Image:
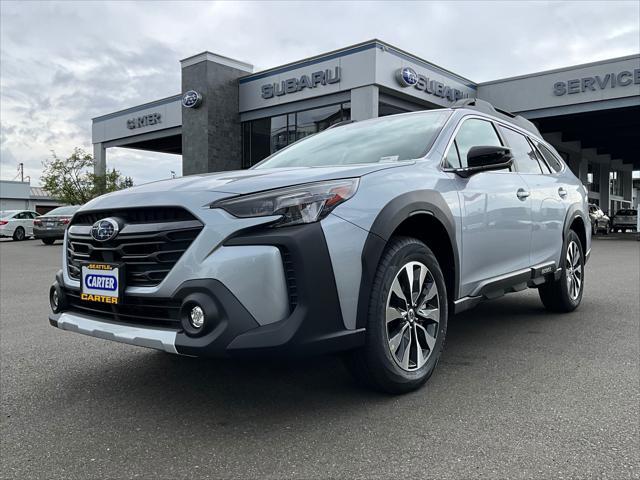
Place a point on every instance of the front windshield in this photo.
(388, 139)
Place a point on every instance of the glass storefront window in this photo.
(313, 121)
(262, 137)
(279, 133)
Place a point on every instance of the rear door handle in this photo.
(562, 192)
(523, 194)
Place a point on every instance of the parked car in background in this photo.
(599, 221)
(17, 224)
(625, 219)
(50, 226)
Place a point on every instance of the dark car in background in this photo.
(599, 221)
(625, 219)
(50, 226)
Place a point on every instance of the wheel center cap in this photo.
(411, 315)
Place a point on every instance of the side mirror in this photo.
(486, 158)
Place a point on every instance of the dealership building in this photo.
(229, 117)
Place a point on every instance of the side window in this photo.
(522, 151)
(19, 216)
(473, 133)
(551, 159)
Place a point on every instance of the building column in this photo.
(100, 165)
(364, 103)
(605, 168)
(211, 134)
(583, 172)
(627, 182)
(100, 159)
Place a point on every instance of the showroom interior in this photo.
(229, 117)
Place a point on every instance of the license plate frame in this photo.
(102, 282)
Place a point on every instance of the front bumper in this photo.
(158, 338)
(312, 324)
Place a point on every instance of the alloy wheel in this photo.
(574, 270)
(412, 316)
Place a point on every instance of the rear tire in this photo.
(18, 234)
(407, 320)
(564, 295)
(48, 241)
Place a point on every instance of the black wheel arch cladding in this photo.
(386, 223)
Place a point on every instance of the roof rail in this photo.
(485, 107)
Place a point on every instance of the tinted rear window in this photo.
(627, 212)
(550, 158)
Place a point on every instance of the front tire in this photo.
(18, 234)
(407, 320)
(48, 241)
(564, 295)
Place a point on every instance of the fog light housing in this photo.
(196, 317)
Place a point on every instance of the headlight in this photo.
(300, 204)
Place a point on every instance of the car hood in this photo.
(231, 183)
(248, 181)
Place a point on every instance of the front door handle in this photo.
(523, 194)
(562, 192)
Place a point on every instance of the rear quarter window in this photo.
(554, 162)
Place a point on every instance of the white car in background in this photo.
(17, 224)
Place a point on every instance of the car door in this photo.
(547, 193)
(496, 217)
(19, 220)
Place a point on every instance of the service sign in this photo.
(101, 282)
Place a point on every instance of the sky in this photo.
(63, 63)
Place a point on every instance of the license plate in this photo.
(102, 282)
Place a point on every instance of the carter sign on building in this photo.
(144, 121)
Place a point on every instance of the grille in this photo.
(150, 242)
(290, 276)
(136, 310)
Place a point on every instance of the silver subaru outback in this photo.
(362, 239)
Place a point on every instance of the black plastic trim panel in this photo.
(389, 218)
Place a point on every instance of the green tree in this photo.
(71, 180)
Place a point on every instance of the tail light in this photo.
(3, 222)
(37, 222)
(65, 220)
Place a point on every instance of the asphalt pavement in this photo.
(519, 393)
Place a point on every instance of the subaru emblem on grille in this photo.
(105, 229)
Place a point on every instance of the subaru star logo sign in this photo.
(104, 229)
(191, 99)
(407, 77)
